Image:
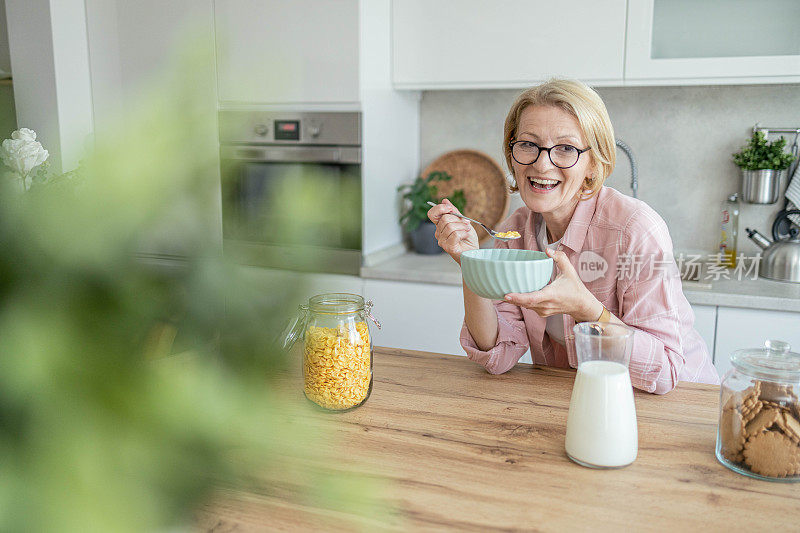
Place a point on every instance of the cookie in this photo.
(732, 435)
(744, 398)
(790, 426)
(750, 410)
(764, 420)
(775, 392)
(772, 454)
(774, 405)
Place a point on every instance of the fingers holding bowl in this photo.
(539, 301)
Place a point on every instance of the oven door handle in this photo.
(292, 154)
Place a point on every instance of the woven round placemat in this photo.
(481, 179)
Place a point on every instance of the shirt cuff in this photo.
(512, 343)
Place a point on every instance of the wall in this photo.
(682, 137)
(391, 130)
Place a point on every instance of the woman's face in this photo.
(544, 187)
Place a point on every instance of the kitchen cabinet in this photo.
(135, 44)
(417, 316)
(134, 49)
(707, 41)
(748, 328)
(278, 52)
(424, 316)
(705, 322)
(514, 43)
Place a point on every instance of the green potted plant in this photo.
(414, 217)
(763, 165)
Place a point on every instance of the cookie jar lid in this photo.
(774, 362)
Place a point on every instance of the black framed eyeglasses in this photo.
(561, 155)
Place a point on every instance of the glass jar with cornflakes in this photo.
(337, 350)
(759, 419)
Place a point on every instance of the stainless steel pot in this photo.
(781, 259)
(761, 186)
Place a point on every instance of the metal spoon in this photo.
(491, 232)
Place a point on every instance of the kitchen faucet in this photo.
(634, 169)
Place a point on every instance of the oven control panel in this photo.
(340, 128)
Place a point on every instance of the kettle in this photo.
(781, 259)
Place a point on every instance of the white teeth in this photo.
(542, 181)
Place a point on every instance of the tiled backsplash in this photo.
(682, 138)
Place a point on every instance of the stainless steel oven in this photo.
(270, 159)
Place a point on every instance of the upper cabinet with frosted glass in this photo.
(682, 42)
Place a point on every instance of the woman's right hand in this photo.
(454, 235)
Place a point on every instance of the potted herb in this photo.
(415, 213)
(763, 165)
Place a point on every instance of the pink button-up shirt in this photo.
(641, 286)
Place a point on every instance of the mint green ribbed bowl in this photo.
(494, 272)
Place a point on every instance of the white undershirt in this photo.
(555, 323)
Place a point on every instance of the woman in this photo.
(613, 253)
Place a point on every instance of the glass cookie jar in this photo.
(759, 419)
(337, 349)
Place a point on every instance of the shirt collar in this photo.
(579, 224)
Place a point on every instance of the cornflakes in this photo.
(337, 365)
(508, 234)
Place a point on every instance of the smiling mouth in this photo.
(543, 184)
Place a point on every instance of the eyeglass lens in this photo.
(561, 155)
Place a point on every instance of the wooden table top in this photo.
(451, 446)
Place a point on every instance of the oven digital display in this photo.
(287, 130)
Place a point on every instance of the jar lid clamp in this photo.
(294, 328)
(368, 309)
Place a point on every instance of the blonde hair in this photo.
(583, 103)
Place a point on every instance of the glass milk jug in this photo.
(601, 425)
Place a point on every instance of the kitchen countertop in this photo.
(748, 293)
(447, 446)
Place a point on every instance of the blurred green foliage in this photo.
(102, 426)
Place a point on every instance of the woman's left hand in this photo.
(566, 294)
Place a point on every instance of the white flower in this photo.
(24, 134)
(22, 152)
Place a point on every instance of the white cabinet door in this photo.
(510, 43)
(705, 322)
(278, 52)
(707, 41)
(749, 328)
(417, 316)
